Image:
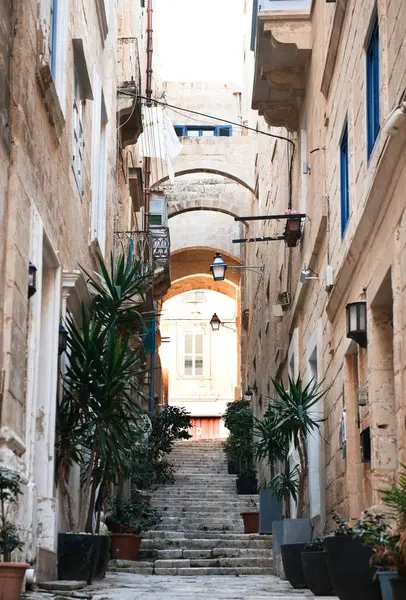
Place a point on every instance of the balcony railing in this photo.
(161, 244)
(274, 5)
(152, 248)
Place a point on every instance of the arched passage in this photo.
(208, 171)
(202, 282)
(197, 260)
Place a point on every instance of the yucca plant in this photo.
(100, 403)
(285, 485)
(271, 442)
(295, 416)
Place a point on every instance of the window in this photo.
(99, 164)
(345, 190)
(193, 297)
(193, 355)
(78, 141)
(373, 87)
(54, 22)
(53, 45)
(203, 131)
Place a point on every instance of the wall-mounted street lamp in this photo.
(218, 268)
(305, 274)
(357, 322)
(248, 394)
(215, 323)
(32, 279)
(62, 340)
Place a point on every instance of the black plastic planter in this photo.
(316, 573)
(246, 485)
(398, 588)
(78, 554)
(351, 575)
(292, 564)
(104, 557)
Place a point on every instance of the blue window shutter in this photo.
(180, 130)
(344, 180)
(150, 336)
(223, 130)
(373, 87)
(53, 36)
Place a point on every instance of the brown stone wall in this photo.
(368, 261)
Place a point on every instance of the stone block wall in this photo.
(367, 261)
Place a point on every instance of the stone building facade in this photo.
(326, 76)
(63, 193)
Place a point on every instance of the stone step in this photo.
(203, 544)
(212, 562)
(210, 553)
(197, 534)
(205, 506)
(193, 571)
(189, 511)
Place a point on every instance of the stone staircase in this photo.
(201, 532)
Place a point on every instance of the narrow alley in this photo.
(202, 299)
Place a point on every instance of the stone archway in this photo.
(196, 261)
(210, 171)
(202, 282)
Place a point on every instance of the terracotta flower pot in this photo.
(11, 580)
(125, 546)
(251, 522)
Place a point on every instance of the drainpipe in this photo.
(148, 93)
(148, 169)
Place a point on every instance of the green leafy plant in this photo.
(395, 498)
(10, 490)
(285, 485)
(271, 441)
(98, 413)
(133, 514)
(239, 444)
(316, 545)
(149, 464)
(296, 417)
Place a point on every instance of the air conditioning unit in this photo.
(283, 298)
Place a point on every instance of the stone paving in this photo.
(122, 586)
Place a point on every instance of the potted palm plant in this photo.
(11, 573)
(296, 416)
(271, 445)
(99, 408)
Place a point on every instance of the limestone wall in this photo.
(367, 261)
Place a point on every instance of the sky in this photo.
(199, 40)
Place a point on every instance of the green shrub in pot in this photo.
(11, 573)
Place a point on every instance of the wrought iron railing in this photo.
(152, 248)
(161, 245)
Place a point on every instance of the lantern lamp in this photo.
(218, 267)
(215, 323)
(357, 322)
(32, 279)
(62, 340)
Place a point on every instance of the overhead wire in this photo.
(227, 121)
